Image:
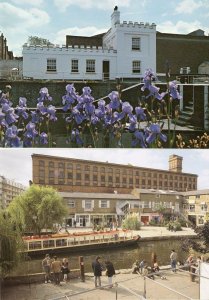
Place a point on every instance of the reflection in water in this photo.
(122, 258)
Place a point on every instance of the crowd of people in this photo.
(57, 270)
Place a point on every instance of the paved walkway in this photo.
(129, 285)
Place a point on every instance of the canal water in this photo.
(122, 258)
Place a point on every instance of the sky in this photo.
(54, 19)
(16, 164)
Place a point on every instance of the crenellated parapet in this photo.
(137, 25)
(69, 49)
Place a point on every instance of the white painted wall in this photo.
(120, 54)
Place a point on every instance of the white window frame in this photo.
(74, 66)
(51, 65)
(136, 44)
(104, 203)
(71, 203)
(136, 67)
(88, 205)
(90, 66)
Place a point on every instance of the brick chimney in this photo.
(175, 163)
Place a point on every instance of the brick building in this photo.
(5, 54)
(182, 50)
(77, 175)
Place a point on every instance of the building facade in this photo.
(76, 175)
(5, 54)
(196, 206)
(9, 189)
(90, 209)
(125, 51)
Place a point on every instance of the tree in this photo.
(10, 245)
(35, 40)
(131, 222)
(38, 208)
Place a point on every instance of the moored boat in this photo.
(59, 243)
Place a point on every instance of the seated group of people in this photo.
(143, 269)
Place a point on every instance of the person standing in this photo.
(173, 258)
(65, 269)
(46, 262)
(56, 269)
(97, 269)
(110, 271)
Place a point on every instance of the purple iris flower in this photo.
(10, 116)
(35, 118)
(75, 137)
(173, 90)
(43, 138)
(99, 112)
(22, 102)
(114, 100)
(139, 139)
(51, 113)
(42, 108)
(127, 108)
(70, 97)
(154, 91)
(31, 132)
(21, 109)
(133, 122)
(4, 99)
(2, 120)
(140, 113)
(86, 91)
(94, 119)
(77, 116)
(89, 108)
(154, 133)
(44, 95)
(12, 140)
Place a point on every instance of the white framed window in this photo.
(104, 203)
(74, 65)
(71, 203)
(51, 65)
(136, 43)
(88, 205)
(90, 66)
(136, 67)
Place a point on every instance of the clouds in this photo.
(188, 6)
(28, 2)
(13, 17)
(87, 4)
(180, 27)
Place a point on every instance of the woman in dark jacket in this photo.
(97, 269)
(110, 271)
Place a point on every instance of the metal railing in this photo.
(142, 294)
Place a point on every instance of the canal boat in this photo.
(85, 241)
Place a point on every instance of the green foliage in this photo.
(35, 40)
(131, 222)
(174, 226)
(10, 245)
(204, 234)
(38, 208)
